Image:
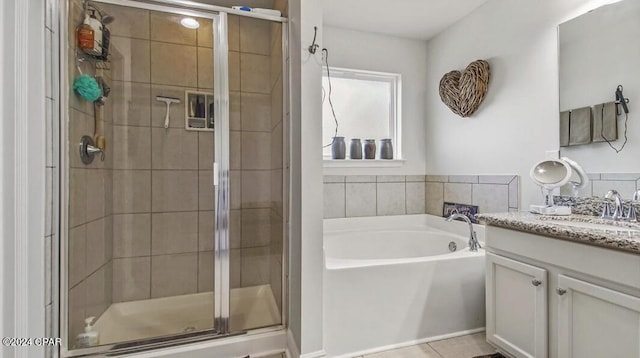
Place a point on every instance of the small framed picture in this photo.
(469, 211)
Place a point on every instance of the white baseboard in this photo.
(317, 354)
(409, 343)
(294, 352)
(292, 348)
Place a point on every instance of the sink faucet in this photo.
(632, 215)
(618, 211)
(474, 245)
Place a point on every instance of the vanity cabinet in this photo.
(594, 321)
(555, 298)
(516, 296)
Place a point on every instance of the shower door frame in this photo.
(220, 185)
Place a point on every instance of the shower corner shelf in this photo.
(99, 64)
(198, 111)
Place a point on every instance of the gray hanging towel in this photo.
(580, 126)
(564, 128)
(605, 121)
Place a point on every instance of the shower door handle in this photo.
(215, 174)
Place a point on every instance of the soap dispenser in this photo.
(90, 337)
(86, 35)
(96, 26)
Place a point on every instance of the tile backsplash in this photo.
(590, 199)
(600, 183)
(371, 195)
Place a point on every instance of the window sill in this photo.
(362, 163)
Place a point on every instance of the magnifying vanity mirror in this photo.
(550, 174)
(598, 52)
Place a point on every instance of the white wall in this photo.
(22, 172)
(595, 57)
(5, 257)
(518, 120)
(295, 202)
(305, 314)
(368, 51)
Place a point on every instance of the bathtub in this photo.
(392, 281)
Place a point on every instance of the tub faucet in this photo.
(474, 245)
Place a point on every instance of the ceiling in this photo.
(416, 19)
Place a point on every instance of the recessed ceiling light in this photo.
(190, 23)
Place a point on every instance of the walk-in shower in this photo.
(173, 215)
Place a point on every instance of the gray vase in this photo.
(369, 149)
(338, 148)
(386, 149)
(355, 150)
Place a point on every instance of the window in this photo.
(366, 106)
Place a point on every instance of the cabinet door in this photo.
(516, 307)
(594, 321)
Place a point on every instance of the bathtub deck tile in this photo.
(360, 199)
(334, 200)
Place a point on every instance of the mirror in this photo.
(551, 174)
(598, 51)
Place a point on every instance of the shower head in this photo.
(107, 19)
(104, 17)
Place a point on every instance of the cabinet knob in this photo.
(561, 291)
(536, 282)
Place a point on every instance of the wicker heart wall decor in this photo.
(464, 91)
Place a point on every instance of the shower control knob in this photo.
(561, 291)
(536, 283)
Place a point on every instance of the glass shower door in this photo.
(140, 216)
(255, 168)
(174, 225)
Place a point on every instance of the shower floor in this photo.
(251, 307)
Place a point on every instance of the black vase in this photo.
(369, 149)
(338, 148)
(386, 149)
(355, 151)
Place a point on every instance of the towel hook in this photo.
(314, 46)
(621, 100)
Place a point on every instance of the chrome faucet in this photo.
(474, 245)
(618, 210)
(632, 215)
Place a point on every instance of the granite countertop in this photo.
(616, 236)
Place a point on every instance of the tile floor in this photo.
(459, 347)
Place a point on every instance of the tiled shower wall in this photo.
(90, 202)
(277, 161)
(163, 194)
(256, 154)
(162, 180)
(141, 222)
(356, 195)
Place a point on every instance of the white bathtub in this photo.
(392, 281)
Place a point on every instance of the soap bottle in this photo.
(90, 337)
(96, 26)
(85, 35)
